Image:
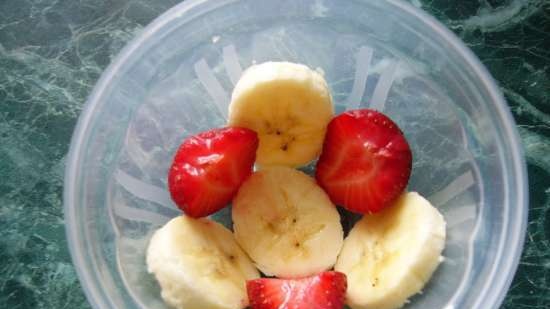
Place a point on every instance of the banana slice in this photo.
(199, 265)
(389, 256)
(288, 105)
(286, 223)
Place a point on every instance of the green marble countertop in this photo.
(53, 51)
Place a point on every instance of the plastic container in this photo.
(176, 77)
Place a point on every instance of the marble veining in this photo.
(53, 51)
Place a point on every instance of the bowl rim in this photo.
(492, 297)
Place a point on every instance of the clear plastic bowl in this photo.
(176, 77)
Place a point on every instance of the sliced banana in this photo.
(389, 256)
(199, 265)
(286, 223)
(288, 105)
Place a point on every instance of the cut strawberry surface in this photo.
(366, 161)
(209, 167)
(326, 290)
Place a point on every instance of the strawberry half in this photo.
(209, 168)
(326, 290)
(366, 161)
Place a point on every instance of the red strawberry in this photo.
(326, 290)
(366, 161)
(209, 168)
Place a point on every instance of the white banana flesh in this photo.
(286, 223)
(390, 256)
(199, 265)
(288, 105)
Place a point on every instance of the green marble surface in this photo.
(53, 51)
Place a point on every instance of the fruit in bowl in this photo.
(173, 81)
(286, 223)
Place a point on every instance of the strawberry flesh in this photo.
(209, 167)
(366, 161)
(326, 290)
